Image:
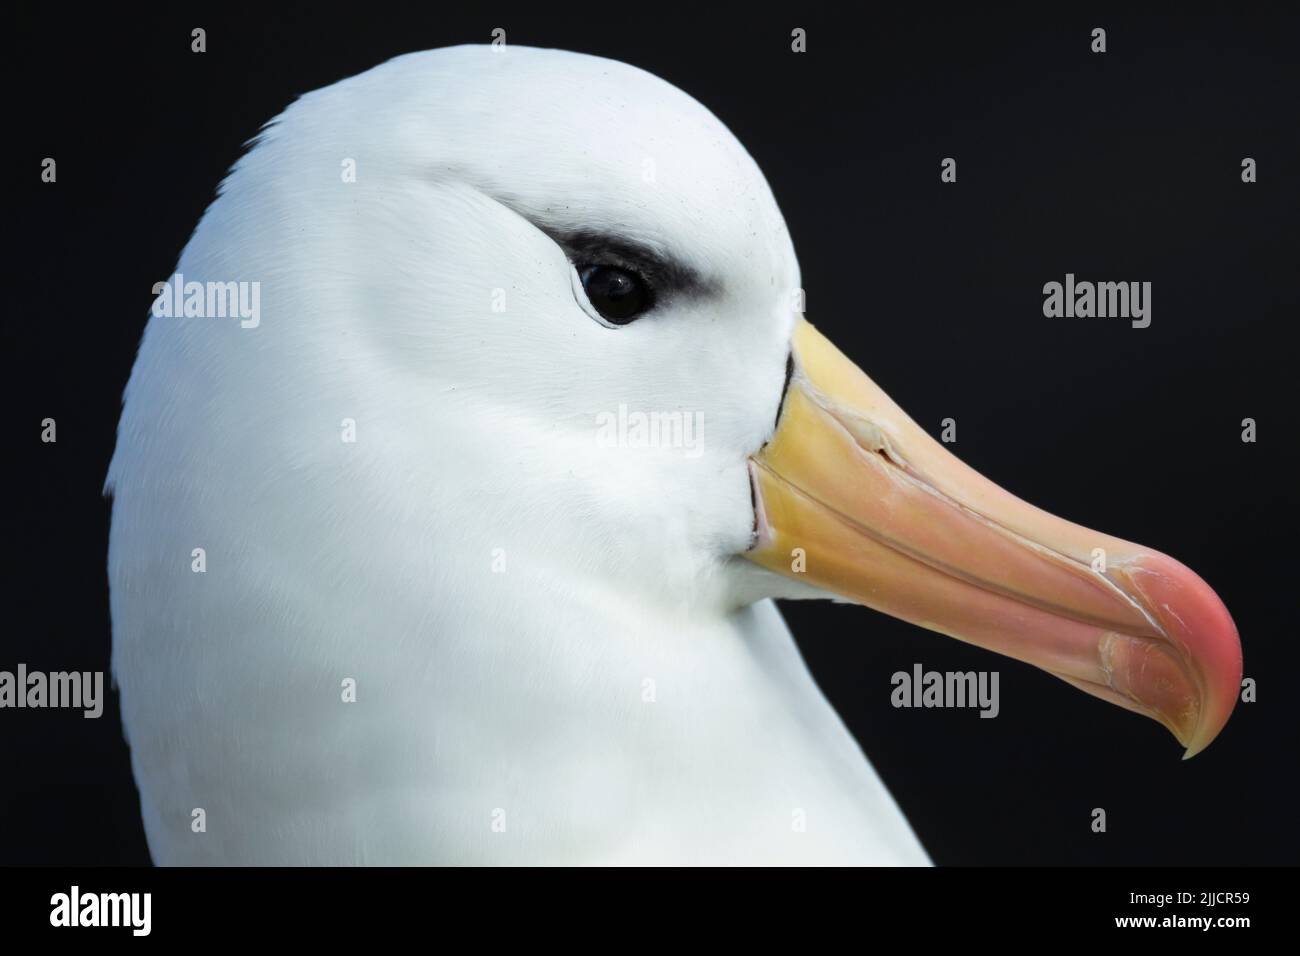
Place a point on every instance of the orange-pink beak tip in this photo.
(1199, 626)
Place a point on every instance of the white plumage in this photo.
(559, 656)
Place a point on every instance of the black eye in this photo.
(619, 295)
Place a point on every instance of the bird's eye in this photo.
(619, 295)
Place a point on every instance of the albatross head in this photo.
(531, 334)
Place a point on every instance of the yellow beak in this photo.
(854, 497)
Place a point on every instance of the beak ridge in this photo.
(888, 517)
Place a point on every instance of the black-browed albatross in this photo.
(380, 592)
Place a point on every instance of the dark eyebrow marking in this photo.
(665, 275)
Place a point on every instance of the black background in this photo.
(1121, 166)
